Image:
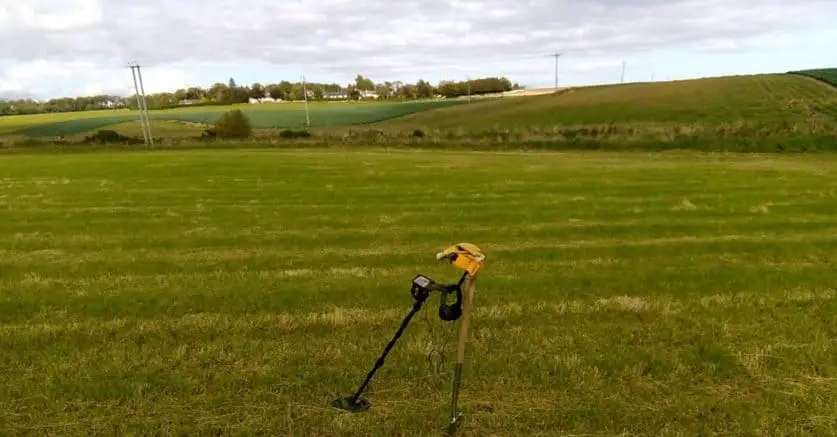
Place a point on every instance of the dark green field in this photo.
(239, 292)
(827, 75)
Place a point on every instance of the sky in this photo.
(56, 48)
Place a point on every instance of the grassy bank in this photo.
(739, 137)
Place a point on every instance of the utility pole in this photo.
(623, 72)
(305, 98)
(556, 56)
(146, 130)
(145, 107)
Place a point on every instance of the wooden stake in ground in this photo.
(468, 297)
(469, 258)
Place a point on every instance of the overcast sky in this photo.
(52, 48)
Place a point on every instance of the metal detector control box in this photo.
(423, 282)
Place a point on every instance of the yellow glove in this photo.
(466, 256)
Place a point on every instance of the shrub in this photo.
(290, 133)
(208, 134)
(233, 124)
(107, 136)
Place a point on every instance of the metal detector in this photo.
(467, 257)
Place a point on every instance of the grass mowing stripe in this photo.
(54, 248)
(362, 251)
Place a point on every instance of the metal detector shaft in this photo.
(380, 362)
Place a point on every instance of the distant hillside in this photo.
(771, 99)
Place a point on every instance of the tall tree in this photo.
(257, 91)
(424, 90)
(275, 92)
(364, 83)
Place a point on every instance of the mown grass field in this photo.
(262, 116)
(239, 292)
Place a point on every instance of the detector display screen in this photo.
(422, 281)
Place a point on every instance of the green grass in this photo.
(159, 128)
(322, 114)
(827, 75)
(13, 124)
(766, 99)
(263, 116)
(239, 292)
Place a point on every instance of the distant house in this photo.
(368, 95)
(336, 95)
(344, 94)
(266, 99)
(189, 102)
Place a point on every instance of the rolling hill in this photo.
(764, 99)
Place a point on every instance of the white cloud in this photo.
(52, 15)
(377, 37)
(38, 78)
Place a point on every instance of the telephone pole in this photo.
(305, 97)
(623, 72)
(556, 56)
(139, 88)
(145, 106)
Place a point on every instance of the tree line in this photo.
(229, 93)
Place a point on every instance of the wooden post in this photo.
(468, 296)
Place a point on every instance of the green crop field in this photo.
(770, 99)
(263, 116)
(239, 292)
(827, 75)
